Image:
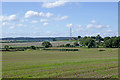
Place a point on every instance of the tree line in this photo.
(97, 41)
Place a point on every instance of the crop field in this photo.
(55, 43)
(85, 63)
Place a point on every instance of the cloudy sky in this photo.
(40, 19)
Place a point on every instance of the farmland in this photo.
(85, 63)
(55, 43)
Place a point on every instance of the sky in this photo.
(54, 19)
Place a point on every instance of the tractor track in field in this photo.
(81, 73)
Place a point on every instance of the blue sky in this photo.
(39, 19)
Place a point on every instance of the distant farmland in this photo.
(55, 43)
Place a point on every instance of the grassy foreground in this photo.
(85, 63)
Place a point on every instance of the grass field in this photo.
(85, 63)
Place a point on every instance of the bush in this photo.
(46, 44)
(67, 45)
(33, 47)
(6, 47)
(61, 49)
(62, 46)
(76, 44)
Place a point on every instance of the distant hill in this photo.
(36, 39)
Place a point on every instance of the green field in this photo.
(85, 63)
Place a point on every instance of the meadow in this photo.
(85, 63)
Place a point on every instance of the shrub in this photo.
(67, 45)
(6, 47)
(33, 47)
(76, 44)
(46, 44)
(62, 46)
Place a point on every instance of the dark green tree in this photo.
(108, 43)
(46, 44)
(76, 44)
(33, 47)
(106, 38)
(54, 39)
(98, 38)
(92, 44)
(6, 47)
(67, 45)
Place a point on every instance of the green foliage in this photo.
(98, 38)
(61, 49)
(62, 45)
(33, 47)
(98, 41)
(46, 44)
(6, 47)
(113, 42)
(92, 44)
(76, 44)
(67, 45)
(54, 39)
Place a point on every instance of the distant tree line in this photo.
(97, 41)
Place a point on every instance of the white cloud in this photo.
(24, 20)
(43, 20)
(20, 25)
(79, 26)
(69, 25)
(96, 25)
(90, 26)
(41, 14)
(108, 26)
(1, 18)
(53, 4)
(61, 18)
(93, 21)
(48, 14)
(12, 18)
(76, 26)
(12, 27)
(45, 24)
(99, 26)
(29, 14)
(109, 30)
(34, 21)
(9, 18)
(4, 23)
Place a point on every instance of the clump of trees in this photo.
(46, 44)
(6, 47)
(97, 41)
(33, 47)
(66, 45)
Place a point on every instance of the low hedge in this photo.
(61, 49)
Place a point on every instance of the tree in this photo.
(46, 44)
(108, 43)
(106, 38)
(79, 37)
(91, 44)
(86, 41)
(6, 47)
(54, 39)
(33, 47)
(67, 45)
(98, 38)
(76, 44)
(93, 37)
